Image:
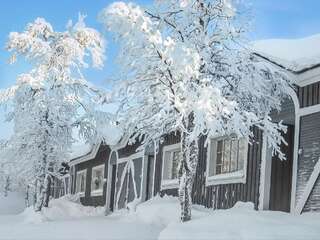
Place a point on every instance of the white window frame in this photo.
(98, 192)
(169, 183)
(239, 176)
(85, 182)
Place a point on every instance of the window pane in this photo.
(234, 155)
(226, 156)
(176, 155)
(219, 157)
(167, 165)
(242, 152)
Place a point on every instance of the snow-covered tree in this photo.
(185, 67)
(46, 103)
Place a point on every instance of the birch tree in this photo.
(45, 103)
(185, 67)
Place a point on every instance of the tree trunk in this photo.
(40, 192)
(27, 197)
(48, 182)
(7, 186)
(187, 171)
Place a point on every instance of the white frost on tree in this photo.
(185, 68)
(46, 103)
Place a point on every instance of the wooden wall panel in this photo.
(309, 95)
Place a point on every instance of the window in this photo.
(171, 158)
(97, 180)
(81, 182)
(227, 158)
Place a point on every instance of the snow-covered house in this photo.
(229, 169)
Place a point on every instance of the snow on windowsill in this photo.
(169, 184)
(97, 193)
(227, 178)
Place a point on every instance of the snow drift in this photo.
(157, 219)
(60, 209)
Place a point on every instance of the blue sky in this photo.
(273, 19)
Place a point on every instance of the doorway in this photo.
(281, 175)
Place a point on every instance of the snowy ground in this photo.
(14, 203)
(157, 219)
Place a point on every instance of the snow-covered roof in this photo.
(80, 149)
(293, 54)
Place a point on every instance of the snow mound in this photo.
(293, 54)
(61, 209)
(14, 203)
(159, 210)
(243, 222)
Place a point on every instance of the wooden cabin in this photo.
(229, 169)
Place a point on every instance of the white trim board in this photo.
(139, 154)
(309, 110)
(296, 104)
(307, 191)
(109, 181)
(265, 176)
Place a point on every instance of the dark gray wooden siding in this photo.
(309, 95)
(101, 158)
(309, 144)
(286, 113)
(128, 150)
(219, 196)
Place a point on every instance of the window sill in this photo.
(97, 193)
(169, 184)
(226, 178)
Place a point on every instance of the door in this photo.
(113, 184)
(128, 182)
(281, 175)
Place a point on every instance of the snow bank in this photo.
(158, 219)
(293, 54)
(61, 209)
(243, 222)
(12, 204)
